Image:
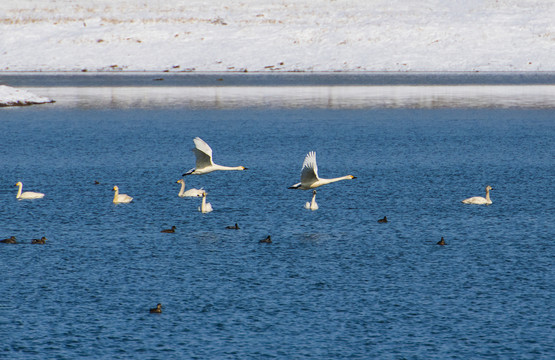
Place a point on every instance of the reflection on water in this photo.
(333, 97)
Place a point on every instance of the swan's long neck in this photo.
(182, 189)
(116, 193)
(19, 190)
(313, 202)
(487, 195)
(228, 168)
(329, 181)
(203, 205)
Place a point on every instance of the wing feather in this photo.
(203, 153)
(309, 172)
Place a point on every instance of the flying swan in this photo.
(309, 175)
(478, 200)
(204, 164)
(190, 192)
(27, 195)
(204, 206)
(121, 198)
(312, 205)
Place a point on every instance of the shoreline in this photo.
(271, 78)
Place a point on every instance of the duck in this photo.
(204, 206)
(121, 198)
(382, 221)
(478, 200)
(157, 309)
(312, 205)
(40, 241)
(441, 242)
(10, 240)
(204, 163)
(233, 227)
(309, 175)
(27, 195)
(190, 192)
(267, 240)
(169, 231)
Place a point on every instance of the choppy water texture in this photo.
(334, 283)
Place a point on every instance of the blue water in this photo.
(334, 284)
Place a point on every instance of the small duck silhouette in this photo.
(10, 240)
(441, 242)
(234, 227)
(169, 231)
(268, 240)
(384, 220)
(40, 241)
(157, 309)
(96, 182)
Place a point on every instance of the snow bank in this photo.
(277, 35)
(14, 97)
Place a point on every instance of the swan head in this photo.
(313, 192)
(18, 183)
(488, 188)
(352, 177)
(180, 181)
(115, 188)
(243, 168)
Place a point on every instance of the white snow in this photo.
(15, 97)
(277, 35)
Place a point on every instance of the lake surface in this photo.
(334, 283)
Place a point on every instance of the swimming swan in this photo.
(478, 200)
(204, 164)
(27, 195)
(205, 207)
(121, 198)
(309, 175)
(312, 205)
(190, 192)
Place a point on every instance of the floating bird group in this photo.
(205, 165)
(13, 240)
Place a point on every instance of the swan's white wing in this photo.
(309, 172)
(203, 153)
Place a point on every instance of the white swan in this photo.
(312, 205)
(309, 175)
(478, 200)
(27, 195)
(204, 206)
(190, 192)
(204, 164)
(121, 198)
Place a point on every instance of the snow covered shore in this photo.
(15, 97)
(277, 35)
